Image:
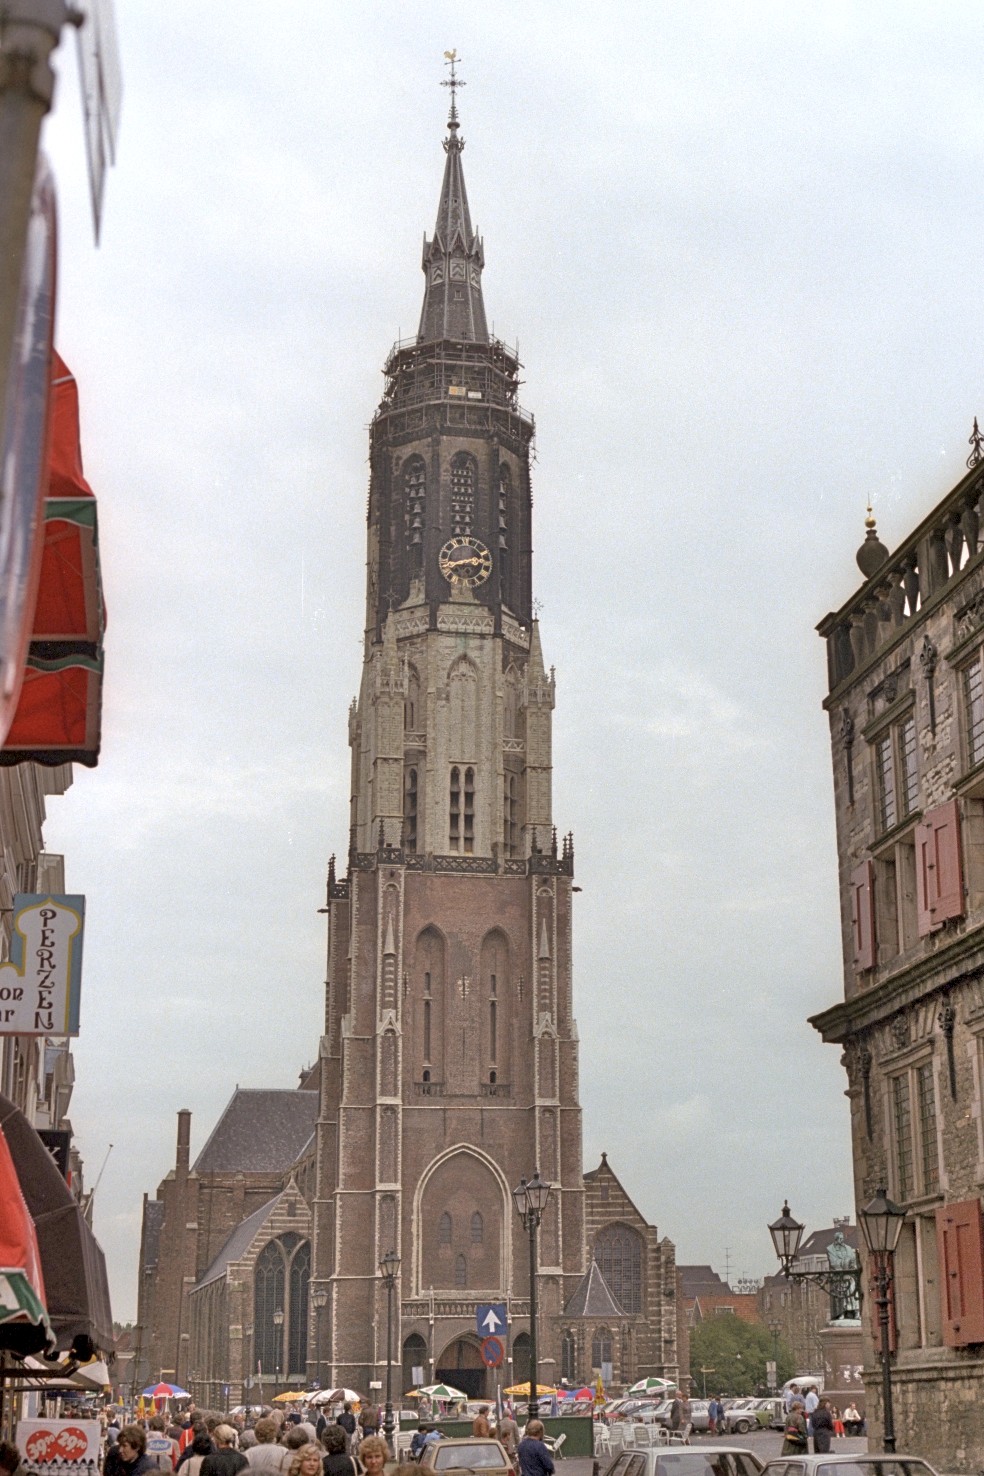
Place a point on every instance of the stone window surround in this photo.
(904, 1063)
(975, 1051)
(891, 721)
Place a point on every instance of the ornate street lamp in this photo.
(320, 1300)
(278, 1322)
(531, 1200)
(840, 1279)
(881, 1224)
(389, 1269)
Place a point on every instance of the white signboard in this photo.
(40, 987)
(50, 1447)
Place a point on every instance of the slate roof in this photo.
(239, 1242)
(816, 1244)
(153, 1224)
(262, 1131)
(702, 1281)
(593, 1297)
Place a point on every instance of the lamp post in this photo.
(389, 1269)
(320, 1303)
(775, 1328)
(531, 1200)
(841, 1280)
(881, 1224)
(278, 1322)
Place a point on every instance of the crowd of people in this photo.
(812, 1416)
(296, 1444)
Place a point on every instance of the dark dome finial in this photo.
(872, 553)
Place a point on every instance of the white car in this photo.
(681, 1460)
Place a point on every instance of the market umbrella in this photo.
(165, 1391)
(288, 1398)
(442, 1391)
(335, 1396)
(521, 1391)
(652, 1386)
(584, 1393)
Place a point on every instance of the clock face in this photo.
(464, 560)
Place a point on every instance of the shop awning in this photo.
(58, 715)
(72, 1262)
(24, 1325)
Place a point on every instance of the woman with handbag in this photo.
(795, 1441)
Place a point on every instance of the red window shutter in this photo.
(876, 1313)
(960, 1244)
(939, 871)
(863, 915)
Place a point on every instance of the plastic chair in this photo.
(558, 1445)
(681, 1436)
(602, 1439)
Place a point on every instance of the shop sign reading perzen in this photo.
(41, 985)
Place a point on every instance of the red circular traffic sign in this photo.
(493, 1352)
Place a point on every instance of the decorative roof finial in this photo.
(872, 553)
(451, 60)
(976, 444)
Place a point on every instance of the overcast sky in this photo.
(740, 247)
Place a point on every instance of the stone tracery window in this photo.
(460, 1272)
(601, 1347)
(618, 1252)
(477, 1229)
(444, 1229)
(281, 1279)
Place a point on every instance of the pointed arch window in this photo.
(510, 814)
(618, 1251)
(568, 1357)
(281, 1281)
(460, 1272)
(410, 798)
(477, 1229)
(469, 812)
(463, 479)
(505, 499)
(445, 1229)
(300, 1276)
(601, 1347)
(454, 816)
(415, 503)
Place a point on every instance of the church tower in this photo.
(449, 1057)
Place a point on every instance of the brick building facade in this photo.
(448, 1067)
(906, 712)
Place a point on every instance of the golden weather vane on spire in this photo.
(451, 60)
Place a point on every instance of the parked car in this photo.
(849, 1465)
(467, 1454)
(682, 1460)
(743, 1415)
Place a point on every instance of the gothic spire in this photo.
(453, 260)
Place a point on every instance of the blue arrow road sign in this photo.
(490, 1318)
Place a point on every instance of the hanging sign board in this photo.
(41, 986)
(66, 1447)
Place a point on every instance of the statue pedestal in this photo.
(840, 1343)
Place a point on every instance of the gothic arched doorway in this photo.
(414, 1359)
(461, 1366)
